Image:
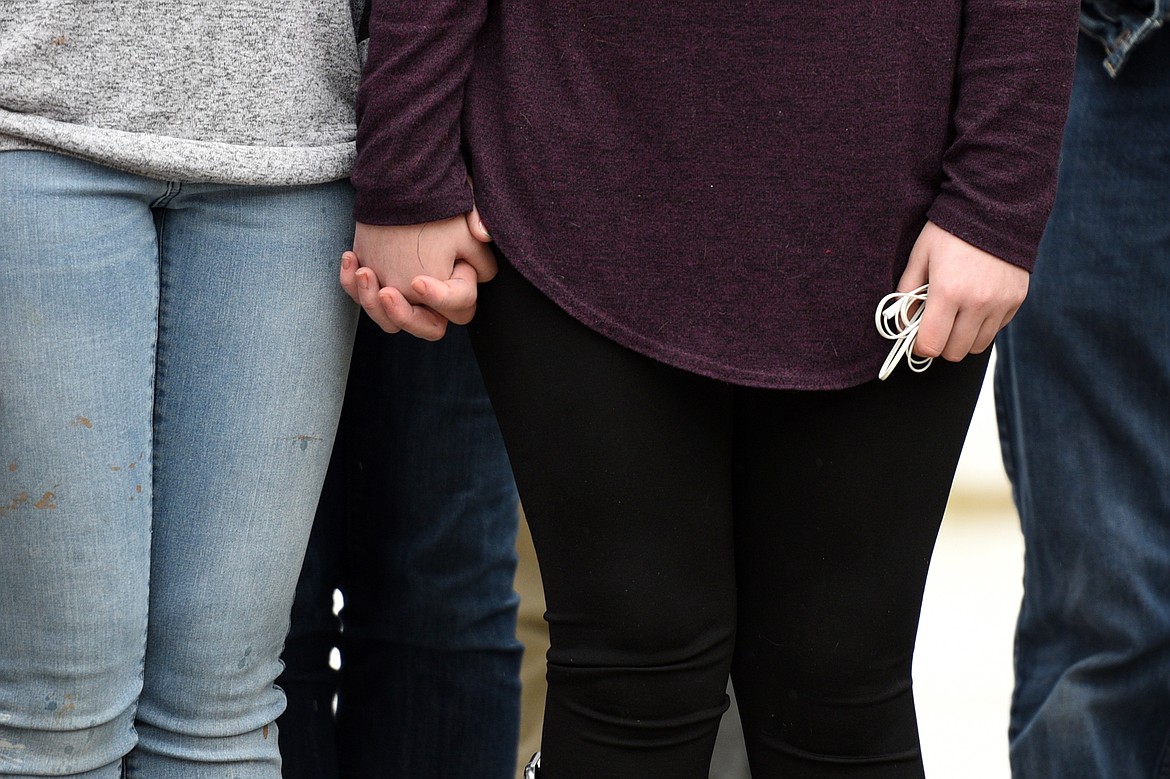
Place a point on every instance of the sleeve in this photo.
(1013, 82)
(409, 166)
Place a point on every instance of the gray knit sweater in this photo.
(234, 91)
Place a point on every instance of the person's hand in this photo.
(972, 295)
(418, 278)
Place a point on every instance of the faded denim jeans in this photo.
(172, 364)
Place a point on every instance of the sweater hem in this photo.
(178, 159)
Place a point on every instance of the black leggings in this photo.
(687, 529)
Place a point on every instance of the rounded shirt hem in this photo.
(798, 378)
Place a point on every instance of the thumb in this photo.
(917, 270)
(480, 257)
(476, 227)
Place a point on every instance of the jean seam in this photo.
(172, 191)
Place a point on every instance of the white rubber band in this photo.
(897, 318)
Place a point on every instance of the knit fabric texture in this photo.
(187, 90)
(727, 187)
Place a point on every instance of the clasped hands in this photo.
(418, 278)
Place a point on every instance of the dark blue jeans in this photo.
(417, 528)
(1083, 386)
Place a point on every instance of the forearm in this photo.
(409, 167)
(1012, 86)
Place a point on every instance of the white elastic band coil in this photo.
(897, 318)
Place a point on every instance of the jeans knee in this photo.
(238, 696)
(67, 731)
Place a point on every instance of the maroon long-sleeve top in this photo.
(729, 187)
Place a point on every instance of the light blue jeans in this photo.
(172, 363)
(1083, 386)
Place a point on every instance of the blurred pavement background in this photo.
(963, 662)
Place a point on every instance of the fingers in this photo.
(392, 312)
(479, 256)
(1011, 314)
(953, 327)
(936, 328)
(916, 273)
(454, 298)
(348, 278)
(366, 290)
(962, 335)
(476, 227)
(417, 320)
(985, 337)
